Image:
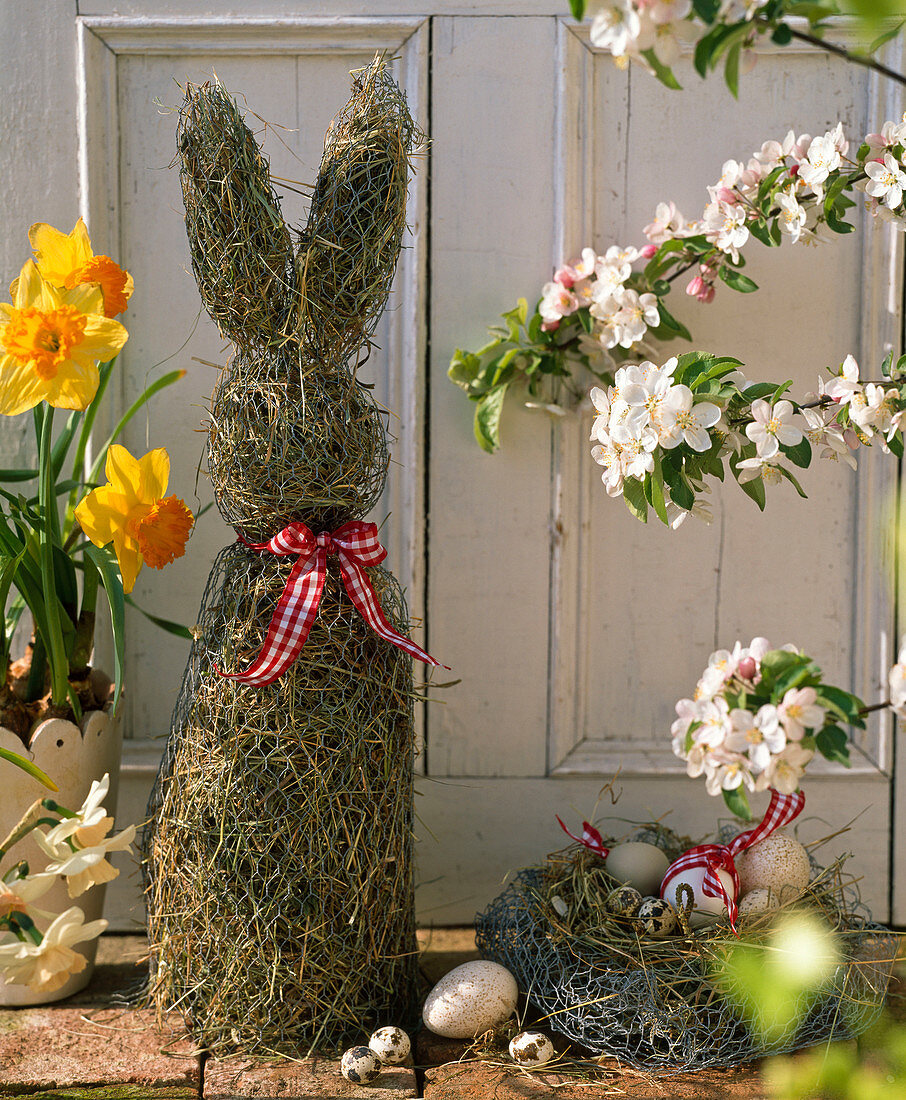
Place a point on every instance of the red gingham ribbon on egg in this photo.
(783, 809)
(590, 837)
(356, 547)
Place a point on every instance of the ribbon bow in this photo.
(356, 546)
(590, 837)
(783, 809)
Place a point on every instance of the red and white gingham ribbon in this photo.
(356, 546)
(783, 809)
(590, 837)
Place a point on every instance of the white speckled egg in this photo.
(775, 862)
(657, 918)
(637, 864)
(531, 1048)
(360, 1065)
(391, 1045)
(706, 909)
(757, 901)
(471, 999)
(623, 902)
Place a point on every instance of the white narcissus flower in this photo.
(17, 896)
(685, 422)
(47, 966)
(886, 181)
(799, 711)
(88, 866)
(770, 427)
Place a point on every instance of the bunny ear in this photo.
(242, 253)
(349, 247)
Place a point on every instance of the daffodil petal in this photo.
(73, 386)
(124, 474)
(32, 290)
(103, 338)
(101, 513)
(20, 387)
(128, 556)
(59, 253)
(155, 472)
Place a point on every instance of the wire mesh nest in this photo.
(241, 249)
(283, 430)
(653, 1003)
(349, 247)
(279, 854)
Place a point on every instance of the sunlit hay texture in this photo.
(283, 431)
(348, 250)
(279, 857)
(652, 1003)
(241, 249)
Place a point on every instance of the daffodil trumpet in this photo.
(59, 343)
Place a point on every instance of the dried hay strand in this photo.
(279, 854)
(241, 249)
(349, 247)
(654, 1003)
(282, 430)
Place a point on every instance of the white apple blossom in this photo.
(638, 313)
(714, 719)
(759, 466)
(792, 214)
(606, 311)
(842, 387)
(685, 422)
(896, 680)
(668, 221)
(608, 455)
(770, 427)
(725, 226)
(886, 181)
(47, 966)
(556, 302)
(785, 771)
(757, 735)
(823, 157)
(622, 29)
(727, 771)
(799, 711)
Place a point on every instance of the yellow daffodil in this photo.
(66, 260)
(50, 344)
(131, 512)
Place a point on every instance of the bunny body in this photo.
(278, 859)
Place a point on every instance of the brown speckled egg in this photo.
(360, 1065)
(391, 1045)
(758, 901)
(471, 999)
(657, 918)
(623, 902)
(776, 862)
(531, 1048)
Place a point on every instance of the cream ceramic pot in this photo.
(73, 757)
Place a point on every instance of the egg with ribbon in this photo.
(638, 865)
(705, 909)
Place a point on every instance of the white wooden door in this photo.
(573, 629)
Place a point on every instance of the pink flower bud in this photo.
(726, 195)
(695, 286)
(648, 251)
(747, 668)
(550, 326)
(565, 276)
(851, 439)
(707, 293)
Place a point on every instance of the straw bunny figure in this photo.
(278, 855)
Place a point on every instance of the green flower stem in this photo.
(23, 923)
(78, 463)
(59, 664)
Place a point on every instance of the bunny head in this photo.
(293, 434)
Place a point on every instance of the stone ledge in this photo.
(317, 1079)
(55, 1049)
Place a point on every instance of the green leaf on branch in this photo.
(706, 10)
(654, 483)
(634, 495)
(577, 7)
(832, 743)
(754, 488)
(782, 35)
(842, 703)
(663, 72)
(486, 424)
(731, 69)
(738, 804)
(792, 480)
(735, 280)
(671, 322)
(801, 454)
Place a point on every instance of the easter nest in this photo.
(662, 1004)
